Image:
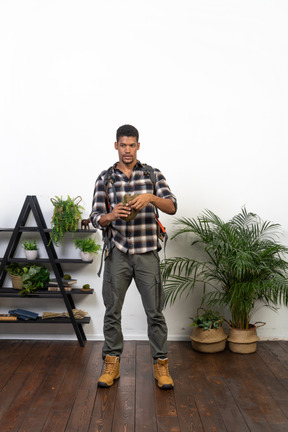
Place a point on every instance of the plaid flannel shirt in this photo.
(139, 235)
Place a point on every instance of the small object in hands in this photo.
(126, 199)
(85, 224)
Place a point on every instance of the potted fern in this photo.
(243, 267)
(65, 217)
(88, 247)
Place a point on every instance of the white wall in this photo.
(205, 82)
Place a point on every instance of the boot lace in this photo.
(109, 368)
(163, 369)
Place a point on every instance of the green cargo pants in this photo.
(120, 269)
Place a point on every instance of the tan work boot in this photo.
(162, 375)
(111, 371)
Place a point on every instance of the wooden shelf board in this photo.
(46, 260)
(46, 230)
(11, 292)
(60, 320)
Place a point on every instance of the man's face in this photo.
(127, 149)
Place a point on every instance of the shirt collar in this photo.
(138, 165)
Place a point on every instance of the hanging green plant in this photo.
(66, 216)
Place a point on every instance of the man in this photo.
(133, 247)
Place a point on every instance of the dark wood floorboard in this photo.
(51, 386)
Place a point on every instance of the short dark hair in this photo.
(127, 130)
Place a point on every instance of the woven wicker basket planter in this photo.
(208, 341)
(16, 282)
(243, 341)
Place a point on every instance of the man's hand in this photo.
(141, 201)
(118, 211)
(166, 205)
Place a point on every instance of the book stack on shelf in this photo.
(53, 284)
(23, 314)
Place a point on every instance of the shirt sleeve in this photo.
(99, 207)
(163, 189)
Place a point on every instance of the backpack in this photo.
(161, 231)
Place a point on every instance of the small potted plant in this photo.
(28, 278)
(31, 250)
(86, 287)
(15, 271)
(208, 334)
(87, 247)
(66, 216)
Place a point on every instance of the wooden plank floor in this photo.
(51, 386)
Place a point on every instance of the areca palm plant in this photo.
(243, 267)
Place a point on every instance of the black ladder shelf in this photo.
(31, 204)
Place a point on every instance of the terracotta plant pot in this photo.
(243, 341)
(208, 341)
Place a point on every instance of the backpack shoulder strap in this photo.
(149, 172)
(108, 178)
(107, 231)
(162, 233)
